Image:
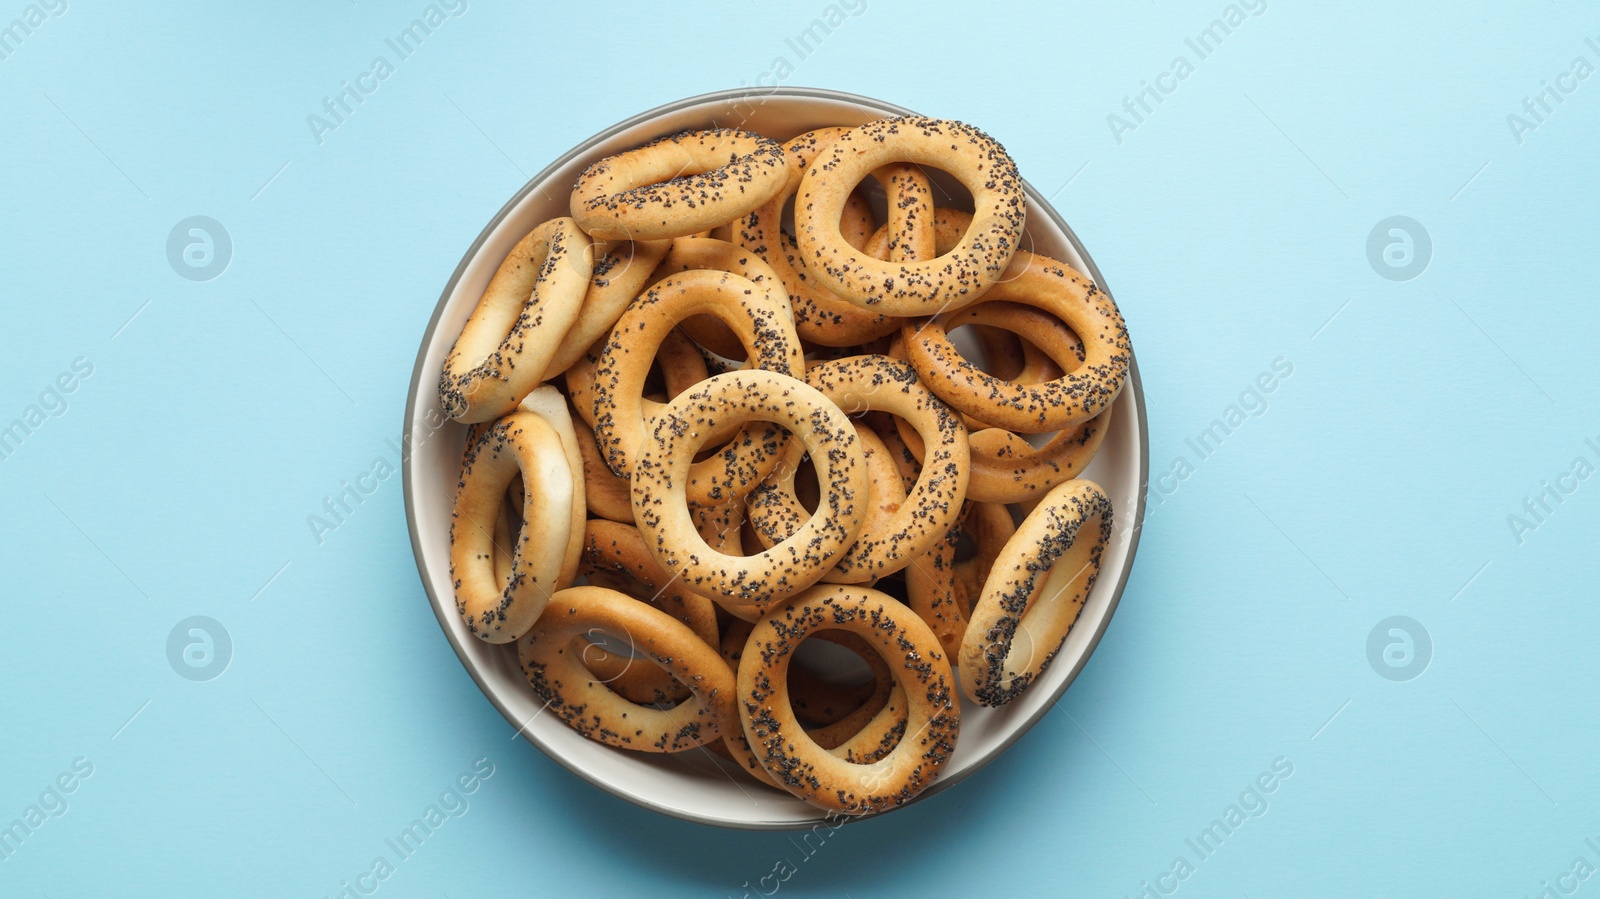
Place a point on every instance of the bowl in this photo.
(696, 786)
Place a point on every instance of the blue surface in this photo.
(1232, 221)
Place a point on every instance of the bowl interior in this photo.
(695, 785)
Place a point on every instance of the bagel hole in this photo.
(612, 644)
(624, 678)
(655, 383)
(894, 585)
(868, 190)
(831, 663)
(808, 485)
(716, 338)
(966, 547)
(964, 336)
(827, 682)
(948, 191)
(965, 339)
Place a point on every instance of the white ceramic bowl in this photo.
(692, 785)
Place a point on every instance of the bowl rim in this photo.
(418, 377)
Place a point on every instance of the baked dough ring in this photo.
(1036, 358)
(920, 668)
(1005, 467)
(1009, 469)
(1034, 592)
(989, 526)
(678, 185)
(661, 478)
(820, 316)
(679, 362)
(521, 442)
(936, 593)
(518, 324)
(605, 494)
(619, 549)
(933, 502)
(690, 253)
(777, 509)
(548, 403)
(765, 329)
(557, 674)
(621, 269)
(923, 287)
(855, 724)
(721, 526)
(1076, 397)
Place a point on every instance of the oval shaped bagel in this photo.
(1075, 397)
(678, 185)
(1051, 286)
(557, 673)
(1034, 592)
(1005, 467)
(920, 669)
(518, 324)
(524, 443)
(661, 479)
(923, 287)
(1049, 350)
(766, 331)
(932, 504)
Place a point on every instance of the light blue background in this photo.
(1232, 225)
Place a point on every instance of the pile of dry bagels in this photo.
(707, 437)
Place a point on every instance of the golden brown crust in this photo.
(690, 253)
(678, 185)
(621, 269)
(1053, 287)
(922, 745)
(519, 322)
(662, 478)
(557, 673)
(763, 326)
(605, 494)
(932, 504)
(1034, 592)
(820, 316)
(521, 442)
(923, 287)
